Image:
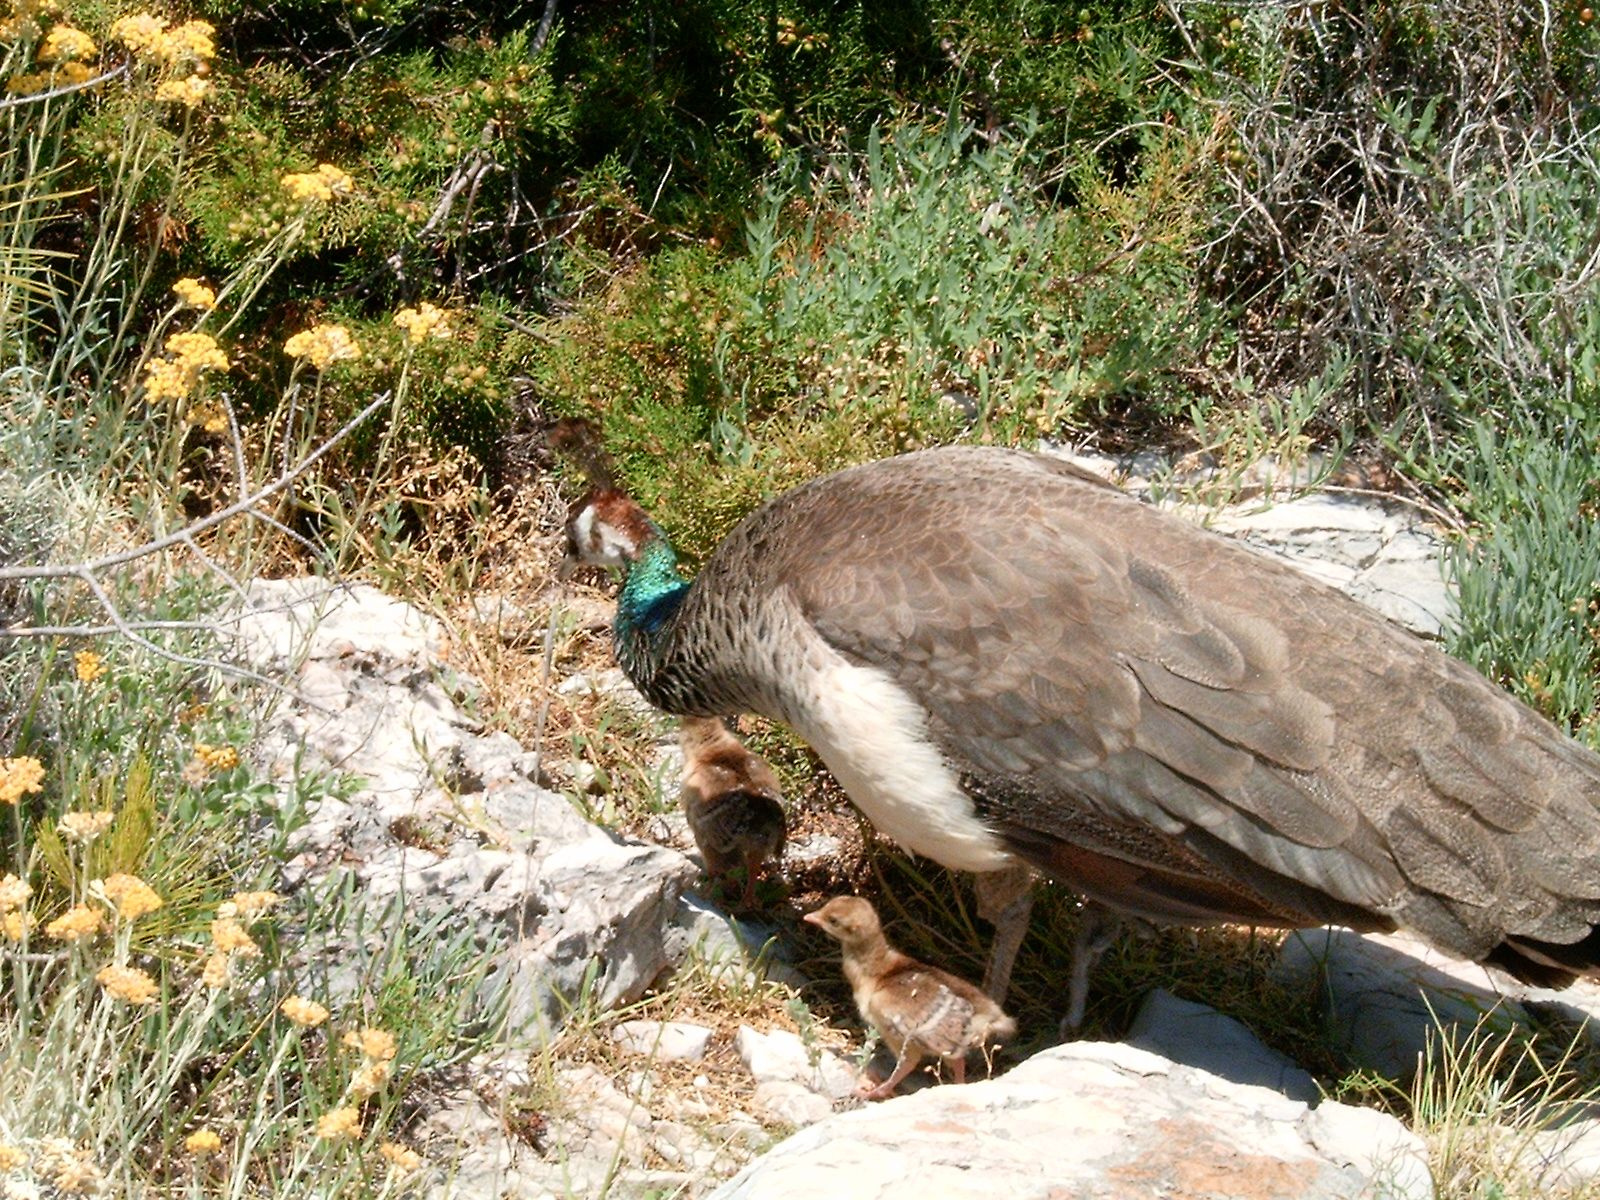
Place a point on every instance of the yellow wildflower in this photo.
(326, 182)
(339, 1124)
(249, 905)
(213, 418)
(323, 344)
(190, 91)
(27, 85)
(84, 826)
(376, 1044)
(424, 321)
(368, 1081)
(12, 1157)
(88, 665)
(79, 921)
(77, 1175)
(177, 376)
(64, 44)
(229, 937)
(17, 925)
(132, 896)
(218, 758)
(14, 893)
(18, 777)
(202, 1141)
(215, 974)
(71, 74)
(195, 294)
(141, 33)
(191, 40)
(303, 1012)
(402, 1157)
(128, 984)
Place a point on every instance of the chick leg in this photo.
(1005, 900)
(907, 1062)
(958, 1068)
(1098, 927)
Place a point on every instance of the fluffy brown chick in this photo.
(731, 798)
(917, 1009)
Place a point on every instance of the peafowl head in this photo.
(850, 920)
(607, 528)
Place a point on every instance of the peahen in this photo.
(1009, 664)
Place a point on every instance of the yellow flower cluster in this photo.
(339, 1125)
(71, 1171)
(19, 777)
(88, 665)
(192, 292)
(79, 921)
(131, 896)
(423, 322)
(303, 1012)
(15, 920)
(147, 35)
(213, 418)
(218, 758)
(128, 984)
(323, 344)
(201, 1142)
(12, 1157)
(14, 893)
(176, 377)
(403, 1158)
(64, 44)
(229, 937)
(377, 1053)
(84, 826)
(190, 91)
(23, 23)
(326, 182)
(61, 51)
(375, 1044)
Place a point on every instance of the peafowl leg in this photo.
(1005, 900)
(1098, 927)
(907, 1061)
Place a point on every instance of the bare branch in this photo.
(189, 532)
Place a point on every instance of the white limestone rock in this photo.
(1197, 1035)
(1093, 1119)
(665, 1041)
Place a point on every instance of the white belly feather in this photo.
(874, 738)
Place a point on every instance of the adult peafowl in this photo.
(1008, 663)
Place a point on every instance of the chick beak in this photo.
(813, 918)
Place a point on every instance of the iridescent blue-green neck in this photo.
(652, 590)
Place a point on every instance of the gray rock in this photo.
(1093, 1119)
(783, 1057)
(790, 1103)
(1199, 1036)
(1380, 554)
(667, 1041)
(1388, 998)
(727, 946)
